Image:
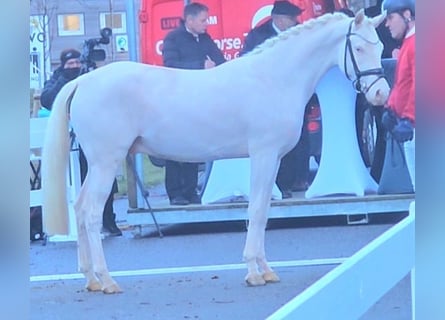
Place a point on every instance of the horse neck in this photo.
(307, 55)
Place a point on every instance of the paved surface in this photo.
(162, 291)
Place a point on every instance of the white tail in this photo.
(55, 154)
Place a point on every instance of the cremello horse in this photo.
(249, 107)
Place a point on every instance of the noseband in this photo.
(379, 72)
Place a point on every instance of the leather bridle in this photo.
(379, 72)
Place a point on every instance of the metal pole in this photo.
(133, 56)
(131, 30)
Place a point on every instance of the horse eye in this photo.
(358, 49)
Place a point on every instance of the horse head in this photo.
(360, 58)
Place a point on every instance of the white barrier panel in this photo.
(37, 127)
(230, 179)
(341, 169)
(349, 290)
(35, 198)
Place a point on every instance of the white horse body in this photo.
(195, 101)
(251, 106)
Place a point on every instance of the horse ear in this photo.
(359, 17)
(376, 21)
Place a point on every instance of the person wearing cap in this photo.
(399, 114)
(293, 173)
(284, 15)
(68, 70)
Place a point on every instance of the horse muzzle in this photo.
(377, 92)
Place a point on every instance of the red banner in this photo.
(229, 21)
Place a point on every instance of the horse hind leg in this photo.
(263, 173)
(85, 264)
(94, 193)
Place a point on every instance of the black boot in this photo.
(109, 217)
(109, 225)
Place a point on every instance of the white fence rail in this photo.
(349, 290)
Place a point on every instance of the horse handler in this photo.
(399, 116)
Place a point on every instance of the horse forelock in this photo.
(372, 28)
(299, 29)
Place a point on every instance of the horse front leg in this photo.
(95, 191)
(263, 173)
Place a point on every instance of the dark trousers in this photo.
(108, 208)
(181, 179)
(380, 144)
(294, 166)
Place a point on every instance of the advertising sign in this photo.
(37, 39)
(229, 22)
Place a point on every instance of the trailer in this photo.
(356, 209)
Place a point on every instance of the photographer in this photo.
(69, 69)
(72, 65)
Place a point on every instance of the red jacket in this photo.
(402, 97)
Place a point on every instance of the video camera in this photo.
(90, 55)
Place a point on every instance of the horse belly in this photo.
(191, 146)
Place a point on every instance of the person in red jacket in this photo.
(399, 116)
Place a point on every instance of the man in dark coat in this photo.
(283, 16)
(293, 173)
(188, 47)
(68, 70)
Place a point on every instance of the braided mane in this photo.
(298, 29)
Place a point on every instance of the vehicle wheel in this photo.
(203, 176)
(369, 135)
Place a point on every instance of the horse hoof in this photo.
(94, 286)
(114, 288)
(271, 277)
(255, 280)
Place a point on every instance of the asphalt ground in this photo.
(196, 272)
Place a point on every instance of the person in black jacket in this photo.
(68, 70)
(293, 173)
(284, 15)
(188, 47)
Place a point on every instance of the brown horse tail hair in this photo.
(55, 154)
